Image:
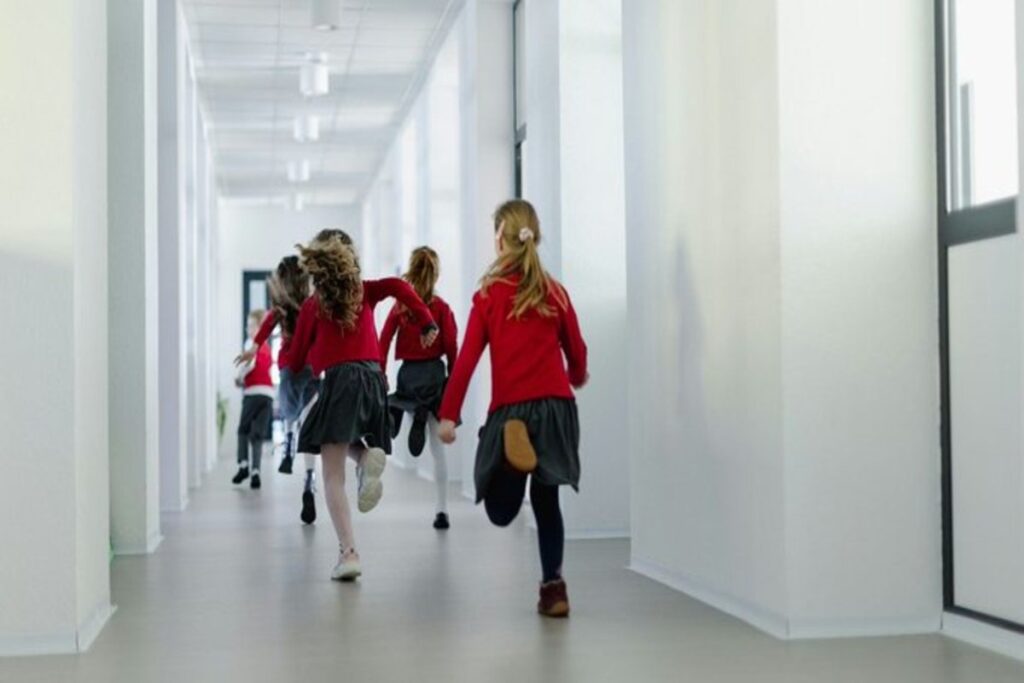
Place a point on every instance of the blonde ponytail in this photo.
(519, 228)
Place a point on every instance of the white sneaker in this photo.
(348, 568)
(371, 488)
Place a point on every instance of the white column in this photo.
(53, 272)
(132, 197)
(172, 382)
(781, 196)
(575, 180)
(486, 175)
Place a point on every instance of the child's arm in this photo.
(573, 345)
(305, 333)
(266, 329)
(386, 336)
(397, 288)
(472, 348)
(450, 335)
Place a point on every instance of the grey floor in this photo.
(239, 592)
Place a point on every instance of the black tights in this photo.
(503, 500)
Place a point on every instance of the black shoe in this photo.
(441, 521)
(255, 483)
(417, 436)
(286, 465)
(396, 422)
(308, 515)
(243, 474)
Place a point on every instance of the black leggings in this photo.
(503, 500)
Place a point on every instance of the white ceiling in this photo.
(247, 55)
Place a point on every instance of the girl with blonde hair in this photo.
(423, 374)
(335, 334)
(537, 357)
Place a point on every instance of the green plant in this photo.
(222, 416)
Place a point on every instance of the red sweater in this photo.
(529, 355)
(259, 376)
(324, 343)
(409, 346)
(266, 329)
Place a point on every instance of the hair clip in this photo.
(525, 235)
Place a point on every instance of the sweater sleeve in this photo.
(266, 328)
(573, 345)
(376, 291)
(450, 337)
(472, 349)
(305, 334)
(387, 335)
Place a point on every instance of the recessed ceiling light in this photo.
(314, 78)
(307, 128)
(298, 171)
(325, 15)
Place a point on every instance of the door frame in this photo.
(958, 227)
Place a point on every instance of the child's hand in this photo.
(429, 337)
(245, 356)
(446, 432)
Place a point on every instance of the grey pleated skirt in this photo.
(420, 386)
(554, 428)
(352, 406)
(256, 421)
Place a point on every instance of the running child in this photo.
(254, 425)
(289, 288)
(537, 356)
(422, 377)
(335, 333)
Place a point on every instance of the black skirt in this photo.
(257, 417)
(554, 428)
(420, 386)
(352, 406)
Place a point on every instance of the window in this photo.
(981, 102)
(519, 94)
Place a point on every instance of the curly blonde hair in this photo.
(517, 226)
(334, 268)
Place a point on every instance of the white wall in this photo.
(172, 380)
(704, 369)
(783, 401)
(860, 303)
(591, 233)
(251, 237)
(55, 593)
(134, 395)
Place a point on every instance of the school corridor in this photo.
(763, 268)
(237, 592)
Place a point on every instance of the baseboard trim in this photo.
(35, 646)
(69, 643)
(596, 534)
(147, 548)
(770, 622)
(90, 629)
(825, 629)
(986, 636)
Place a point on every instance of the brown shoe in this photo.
(554, 599)
(518, 450)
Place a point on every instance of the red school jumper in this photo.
(324, 343)
(409, 346)
(532, 357)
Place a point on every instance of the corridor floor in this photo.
(239, 592)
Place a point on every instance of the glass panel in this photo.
(520, 63)
(982, 102)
